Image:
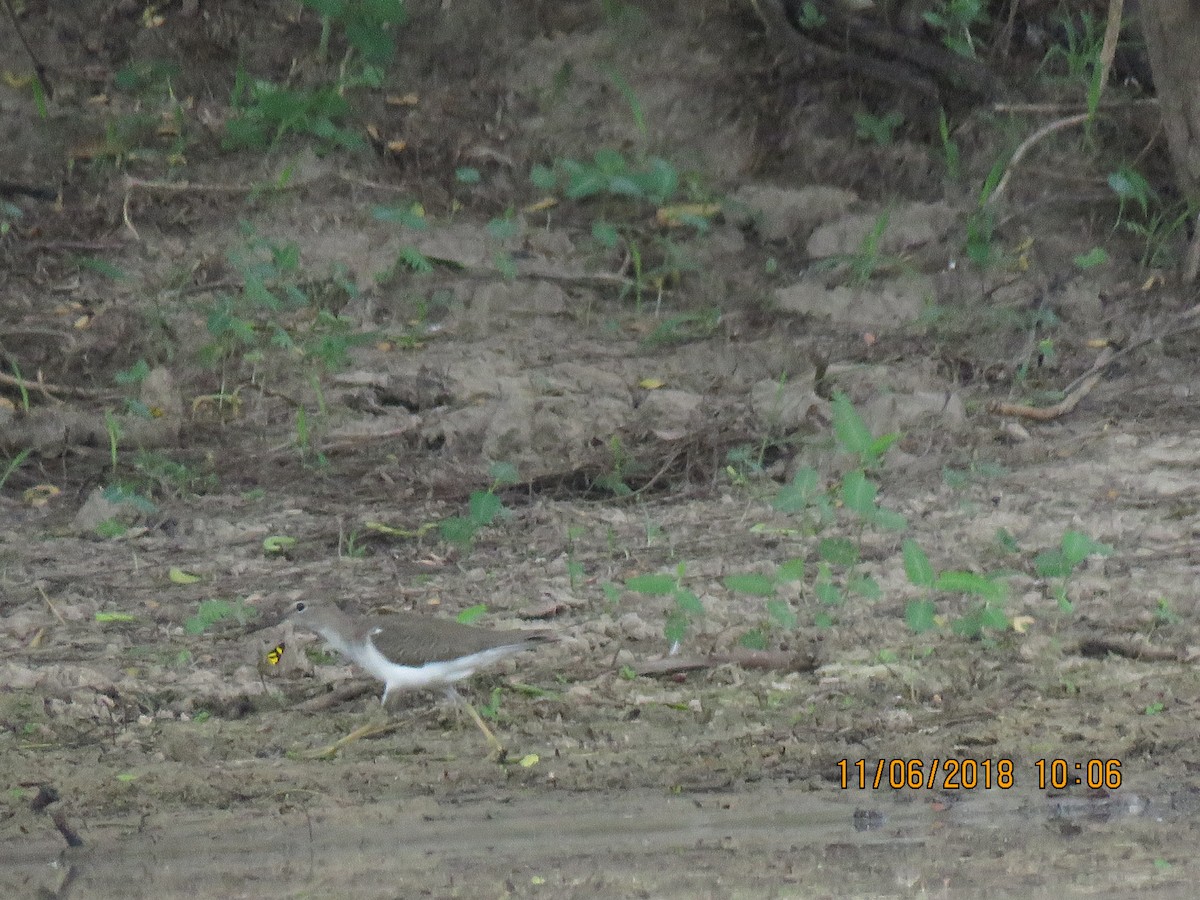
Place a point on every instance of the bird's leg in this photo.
(493, 741)
(371, 729)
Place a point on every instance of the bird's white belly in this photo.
(431, 675)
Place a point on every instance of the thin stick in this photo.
(1027, 145)
(38, 68)
(57, 614)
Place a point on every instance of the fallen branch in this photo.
(1081, 389)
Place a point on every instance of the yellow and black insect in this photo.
(276, 653)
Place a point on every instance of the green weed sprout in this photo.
(483, 508)
(779, 612)
(1060, 563)
(687, 605)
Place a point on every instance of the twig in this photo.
(1111, 32)
(1027, 145)
(1034, 108)
(48, 390)
(53, 609)
(38, 68)
(1108, 50)
(1068, 403)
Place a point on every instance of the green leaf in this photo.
(277, 543)
(212, 611)
(467, 175)
(920, 616)
(888, 519)
(828, 593)
(865, 586)
(414, 260)
(106, 617)
(798, 495)
(1052, 564)
(610, 161)
(676, 627)
(851, 432)
(1006, 541)
(1097, 256)
(471, 613)
(916, 565)
(880, 445)
(504, 473)
(1077, 546)
(656, 585)
(753, 640)
(858, 493)
(970, 583)
(605, 234)
(411, 216)
(838, 551)
(689, 602)
(110, 528)
(503, 229)
(484, 507)
(457, 530)
(751, 583)
(505, 264)
(781, 613)
(543, 178)
(791, 570)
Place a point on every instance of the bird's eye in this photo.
(300, 606)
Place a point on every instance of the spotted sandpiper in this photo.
(411, 651)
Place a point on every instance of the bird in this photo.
(410, 651)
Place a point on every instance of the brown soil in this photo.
(654, 397)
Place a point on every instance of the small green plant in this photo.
(1158, 223)
(838, 575)
(483, 508)
(8, 215)
(981, 223)
(160, 472)
(685, 328)
(574, 568)
(610, 174)
(811, 18)
(921, 614)
(880, 130)
(503, 231)
(368, 25)
(1097, 256)
(1060, 563)
(613, 480)
(779, 612)
(265, 113)
(24, 392)
(1164, 615)
(279, 309)
(867, 259)
(1076, 54)
(687, 606)
(626, 90)
(210, 612)
(13, 464)
(955, 19)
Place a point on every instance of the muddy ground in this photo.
(242, 398)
